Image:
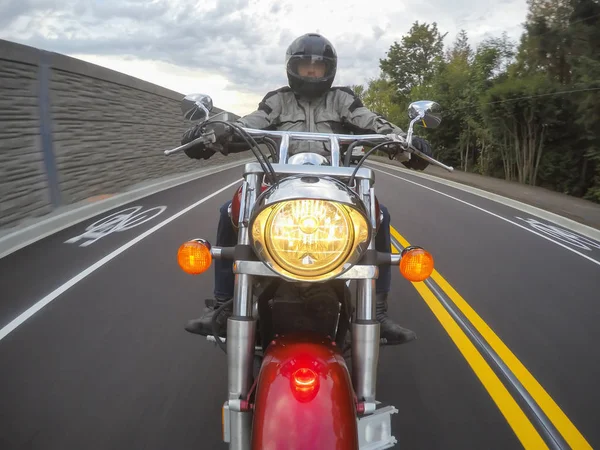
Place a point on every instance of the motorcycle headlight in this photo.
(309, 239)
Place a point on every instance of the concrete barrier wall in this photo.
(71, 130)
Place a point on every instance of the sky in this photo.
(234, 50)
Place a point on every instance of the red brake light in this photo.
(305, 379)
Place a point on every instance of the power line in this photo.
(527, 98)
(564, 28)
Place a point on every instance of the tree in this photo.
(380, 97)
(529, 113)
(415, 61)
(585, 60)
(519, 119)
(461, 49)
(359, 90)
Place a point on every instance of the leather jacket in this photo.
(337, 111)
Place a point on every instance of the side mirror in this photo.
(196, 107)
(426, 113)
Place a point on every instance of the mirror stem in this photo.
(409, 134)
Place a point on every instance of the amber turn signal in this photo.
(416, 264)
(194, 257)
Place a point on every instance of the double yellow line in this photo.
(516, 418)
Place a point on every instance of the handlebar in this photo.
(334, 140)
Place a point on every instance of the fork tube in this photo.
(335, 152)
(283, 148)
(241, 332)
(242, 303)
(365, 329)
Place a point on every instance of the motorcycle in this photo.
(302, 355)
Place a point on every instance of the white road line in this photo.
(571, 225)
(5, 331)
(29, 234)
(492, 214)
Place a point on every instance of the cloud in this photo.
(241, 41)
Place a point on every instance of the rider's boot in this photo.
(392, 332)
(203, 325)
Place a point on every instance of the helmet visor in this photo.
(311, 67)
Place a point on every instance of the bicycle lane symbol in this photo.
(117, 222)
(563, 236)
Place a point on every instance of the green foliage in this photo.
(527, 113)
(415, 60)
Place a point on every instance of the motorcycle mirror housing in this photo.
(196, 107)
(426, 112)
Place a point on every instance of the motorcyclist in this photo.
(309, 103)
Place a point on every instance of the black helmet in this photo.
(310, 47)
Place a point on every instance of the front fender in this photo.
(304, 397)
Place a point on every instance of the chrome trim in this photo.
(365, 357)
(365, 299)
(240, 426)
(217, 253)
(283, 148)
(335, 152)
(410, 132)
(426, 110)
(375, 430)
(372, 206)
(360, 273)
(257, 268)
(240, 352)
(192, 102)
(308, 159)
(314, 188)
(242, 223)
(365, 304)
(307, 136)
(240, 356)
(211, 338)
(365, 337)
(242, 303)
(242, 333)
(317, 171)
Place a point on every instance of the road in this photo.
(102, 360)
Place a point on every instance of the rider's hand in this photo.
(202, 150)
(415, 162)
(199, 151)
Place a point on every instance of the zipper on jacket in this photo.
(310, 117)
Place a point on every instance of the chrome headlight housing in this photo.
(310, 229)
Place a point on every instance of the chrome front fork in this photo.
(241, 334)
(365, 328)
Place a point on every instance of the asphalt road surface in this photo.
(94, 355)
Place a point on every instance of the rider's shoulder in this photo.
(281, 92)
(345, 97)
(343, 91)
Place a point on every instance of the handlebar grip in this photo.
(429, 159)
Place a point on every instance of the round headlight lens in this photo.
(309, 239)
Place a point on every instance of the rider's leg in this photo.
(224, 282)
(394, 333)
